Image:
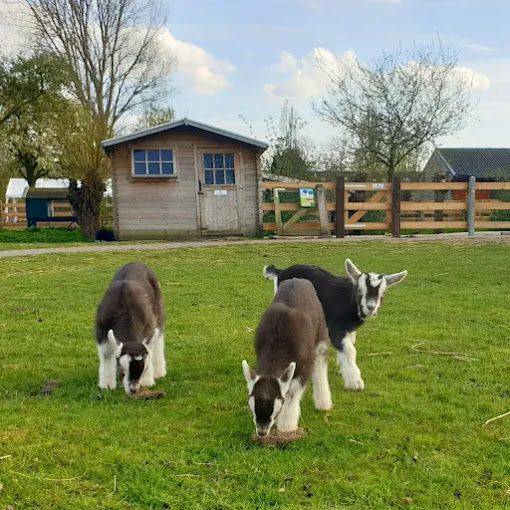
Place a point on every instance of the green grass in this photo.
(412, 439)
(14, 239)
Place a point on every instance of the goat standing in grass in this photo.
(129, 330)
(347, 301)
(291, 344)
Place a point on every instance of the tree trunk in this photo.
(86, 201)
(391, 172)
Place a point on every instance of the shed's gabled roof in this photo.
(477, 162)
(168, 126)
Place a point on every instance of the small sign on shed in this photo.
(307, 197)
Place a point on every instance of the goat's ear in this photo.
(150, 341)
(249, 374)
(111, 338)
(352, 270)
(115, 344)
(393, 279)
(286, 378)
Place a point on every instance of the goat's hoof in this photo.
(355, 384)
(324, 408)
(107, 386)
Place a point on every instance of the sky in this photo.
(237, 61)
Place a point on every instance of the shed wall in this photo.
(159, 208)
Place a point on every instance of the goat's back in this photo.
(337, 295)
(132, 305)
(290, 330)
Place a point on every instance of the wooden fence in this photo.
(13, 214)
(359, 206)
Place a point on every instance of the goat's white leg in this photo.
(147, 378)
(321, 391)
(347, 362)
(107, 367)
(158, 356)
(288, 418)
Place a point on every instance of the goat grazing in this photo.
(291, 344)
(129, 330)
(347, 303)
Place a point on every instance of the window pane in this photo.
(153, 155)
(209, 177)
(229, 161)
(154, 169)
(167, 168)
(219, 176)
(166, 156)
(218, 161)
(140, 169)
(231, 178)
(139, 155)
(208, 161)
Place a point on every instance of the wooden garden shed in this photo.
(185, 179)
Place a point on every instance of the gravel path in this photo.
(458, 238)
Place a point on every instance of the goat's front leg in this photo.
(107, 368)
(288, 418)
(346, 359)
(321, 392)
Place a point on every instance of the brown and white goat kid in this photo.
(129, 329)
(291, 345)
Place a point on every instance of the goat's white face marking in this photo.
(371, 289)
(133, 369)
(262, 425)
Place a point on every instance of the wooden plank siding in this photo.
(170, 207)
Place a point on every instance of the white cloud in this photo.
(204, 72)
(471, 45)
(306, 77)
(478, 81)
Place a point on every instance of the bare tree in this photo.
(111, 47)
(405, 100)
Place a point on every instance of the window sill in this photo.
(219, 186)
(152, 178)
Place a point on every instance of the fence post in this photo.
(323, 211)
(277, 212)
(471, 205)
(1, 215)
(340, 206)
(395, 207)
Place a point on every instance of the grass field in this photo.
(412, 439)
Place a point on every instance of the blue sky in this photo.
(236, 57)
(248, 38)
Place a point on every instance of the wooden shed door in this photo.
(219, 208)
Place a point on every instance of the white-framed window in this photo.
(219, 168)
(153, 163)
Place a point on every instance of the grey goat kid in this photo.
(347, 301)
(129, 330)
(291, 344)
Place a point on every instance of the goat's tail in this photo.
(270, 272)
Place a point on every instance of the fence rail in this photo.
(351, 206)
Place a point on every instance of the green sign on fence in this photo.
(307, 197)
